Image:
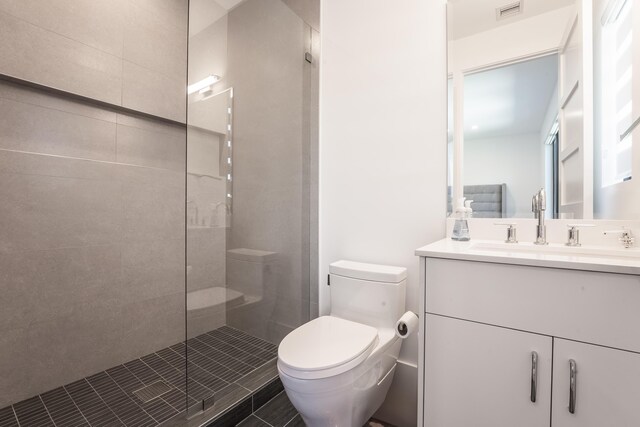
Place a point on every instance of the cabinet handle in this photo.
(572, 386)
(534, 376)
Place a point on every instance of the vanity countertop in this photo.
(588, 258)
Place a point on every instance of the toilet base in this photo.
(344, 400)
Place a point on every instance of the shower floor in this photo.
(217, 359)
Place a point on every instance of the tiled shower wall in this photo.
(92, 200)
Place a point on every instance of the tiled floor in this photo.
(219, 361)
(279, 412)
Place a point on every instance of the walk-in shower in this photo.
(158, 213)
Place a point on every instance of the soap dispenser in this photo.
(461, 226)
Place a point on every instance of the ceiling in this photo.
(468, 17)
(509, 100)
(205, 12)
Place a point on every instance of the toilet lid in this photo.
(325, 346)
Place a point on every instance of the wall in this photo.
(383, 148)
(92, 201)
(500, 160)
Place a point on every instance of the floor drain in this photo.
(153, 391)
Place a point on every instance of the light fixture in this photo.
(203, 85)
(475, 127)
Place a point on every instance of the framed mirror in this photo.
(541, 95)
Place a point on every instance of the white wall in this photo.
(383, 147)
(515, 160)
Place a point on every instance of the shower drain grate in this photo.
(153, 391)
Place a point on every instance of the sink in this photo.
(530, 249)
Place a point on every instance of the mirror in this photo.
(541, 96)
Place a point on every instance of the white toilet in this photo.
(337, 369)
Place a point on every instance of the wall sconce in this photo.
(204, 85)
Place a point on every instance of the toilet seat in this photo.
(325, 347)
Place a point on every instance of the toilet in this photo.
(337, 369)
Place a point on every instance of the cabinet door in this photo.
(607, 386)
(481, 376)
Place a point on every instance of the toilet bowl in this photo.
(337, 369)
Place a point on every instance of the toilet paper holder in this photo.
(407, 323)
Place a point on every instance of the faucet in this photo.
(538, 206)
(626, 237)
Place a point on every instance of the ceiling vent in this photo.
(509, 10)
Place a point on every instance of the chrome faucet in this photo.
(626, 237)
(538, 206)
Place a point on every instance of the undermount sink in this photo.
(526, 248)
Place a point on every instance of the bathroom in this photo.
(198, 207)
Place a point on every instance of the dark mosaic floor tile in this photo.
(241, 347)
(253, 421)
(106, 399)
(176, 399)
(278, 411)
(223, 354)
(296, 422)
(125, 379)
(32, 413)
(260, 376)
(165, 370)
(142, 371)
(213, 367)
(159, 410)
(121, 404)
(8, 417)
(62, 409)
(92, 407)
(266, 393)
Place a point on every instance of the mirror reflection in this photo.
(541, 95)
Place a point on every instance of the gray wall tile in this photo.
(156, 148)
(40, 212)
(152, 324)
(154, 43)
(71, 347)
(95, 23)
(170, 13)
(27, 127)
(35, 54)
(152, 269)
(42, 285)
(154, 93)
(16, 92)
(13, 362)
(152, 204)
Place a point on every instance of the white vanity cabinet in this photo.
(483, 320)
(486, 376)
(607, 386)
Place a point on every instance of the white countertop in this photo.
(527, 254)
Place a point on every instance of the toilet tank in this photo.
(367, 293)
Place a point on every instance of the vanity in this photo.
(529, 336)
(525, 325)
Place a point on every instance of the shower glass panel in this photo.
(92, 212)
(251, 210)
